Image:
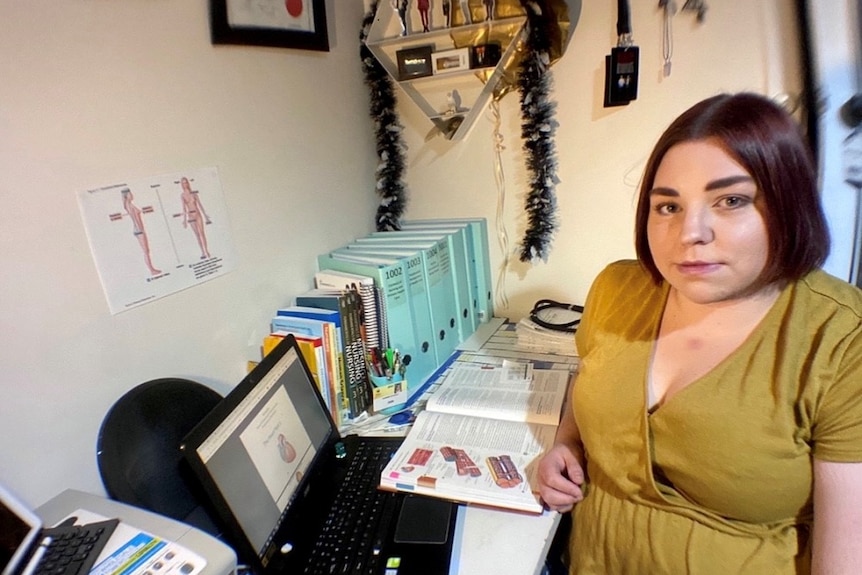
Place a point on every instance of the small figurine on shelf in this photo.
(453, 104)
(424, 7)
(447, 13)
(489, 9)
(401, 7)
(465, 12)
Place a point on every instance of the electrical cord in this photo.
(557, 316)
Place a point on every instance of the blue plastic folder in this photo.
(478, 258)
(431, 257)
(407, 323)
(457, 252)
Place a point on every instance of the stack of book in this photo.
(334, 324)
(387, 310)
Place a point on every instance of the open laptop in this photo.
(272, 462)
(27, 547)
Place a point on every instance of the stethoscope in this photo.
(555, 315)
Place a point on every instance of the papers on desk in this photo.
(504, 344)
(537, 338)
(131, 551)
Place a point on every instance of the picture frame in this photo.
(298, 24)
(414, 62)
(450, 61)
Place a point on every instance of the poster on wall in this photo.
(156, 236)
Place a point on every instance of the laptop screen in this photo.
(257, 446)
(19, 527)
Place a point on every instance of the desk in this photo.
(491, 542)
(498, 542)
(221, 559)
(495, 541)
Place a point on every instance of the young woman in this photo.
(716, 424)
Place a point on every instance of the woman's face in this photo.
(706, 227)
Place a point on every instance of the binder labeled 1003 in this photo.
(391, 278)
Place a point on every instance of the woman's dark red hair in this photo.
(765, 140)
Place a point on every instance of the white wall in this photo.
(835, 38)
(95, 92)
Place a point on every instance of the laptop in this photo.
(27, 547)
(272, 463)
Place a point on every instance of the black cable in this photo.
(547, 304)
(624, 24)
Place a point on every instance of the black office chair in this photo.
(138, 449)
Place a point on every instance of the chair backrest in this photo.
(138, 449)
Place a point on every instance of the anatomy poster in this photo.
(154, 237)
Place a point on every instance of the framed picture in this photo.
(451, 60)
(299, 24)
(414, 62)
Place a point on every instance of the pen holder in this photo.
(389, 393)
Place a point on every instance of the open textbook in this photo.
(481, 436)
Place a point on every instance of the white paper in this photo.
(156, 236)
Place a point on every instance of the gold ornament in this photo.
(561, 17)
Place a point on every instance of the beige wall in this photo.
(94, 92)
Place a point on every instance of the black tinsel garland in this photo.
(538, 127)
(387, 129)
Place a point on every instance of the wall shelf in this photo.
(452, 101)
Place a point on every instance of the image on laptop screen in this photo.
(258, 452)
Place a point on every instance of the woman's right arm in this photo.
(561, 470)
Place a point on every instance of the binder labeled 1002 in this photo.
(391, 278)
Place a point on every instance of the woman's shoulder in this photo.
(623, 272)
(822, 289)
(623, 280)
(828, 310)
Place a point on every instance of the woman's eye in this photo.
(666, 208)
(734, 201)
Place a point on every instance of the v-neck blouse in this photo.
(723, 467)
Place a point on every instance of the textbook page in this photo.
(514, 392)
(471, 459)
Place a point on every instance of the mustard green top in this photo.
(718, 479)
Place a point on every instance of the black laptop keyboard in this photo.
(72, 550)
(357, 524)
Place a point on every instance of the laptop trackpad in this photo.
(423, 520)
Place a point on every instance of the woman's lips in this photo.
(697, 267)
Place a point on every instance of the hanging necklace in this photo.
(669, 7)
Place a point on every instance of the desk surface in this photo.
(495, 541)
(492, 541)
(221, 559)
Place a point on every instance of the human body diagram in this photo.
(135, 214)
(194, 216)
